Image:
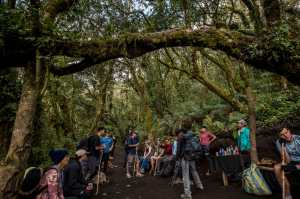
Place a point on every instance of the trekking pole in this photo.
(135, 162)
(283, 176)
(98, 174)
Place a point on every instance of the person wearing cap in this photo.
(243, 137)
(75, 185)
(52, 181)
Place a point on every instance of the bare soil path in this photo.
(150, 187)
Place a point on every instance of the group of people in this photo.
(169, 156)
(73, 178)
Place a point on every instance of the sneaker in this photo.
(207, 173)
(139, 175)
(128, 175)
(185, 196)
(200, 186)
(289, 197)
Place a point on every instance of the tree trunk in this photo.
(252, 122)
(20, 145)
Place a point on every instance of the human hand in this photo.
(89, 187)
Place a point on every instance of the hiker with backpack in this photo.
(75, 185)
(188, 153)
(206, 138)
(106, 142)
(95, 151)
(51, 184)
(132, 144)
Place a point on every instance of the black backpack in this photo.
(83, 144)
(30, 183)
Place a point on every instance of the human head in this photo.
(100, 131)
(203, 130)
(241, 124)
(59, 157)
(285, 134)
(179, 133)
(187, 124)
(81, 154)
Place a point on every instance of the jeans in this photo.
(187, 167)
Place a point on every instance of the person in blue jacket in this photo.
(107, 143)
(243, 137)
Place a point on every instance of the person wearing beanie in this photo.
(51, 182)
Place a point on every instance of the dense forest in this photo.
(69, 66)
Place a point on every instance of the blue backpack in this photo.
(192, 147)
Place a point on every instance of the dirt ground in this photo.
(150, 187)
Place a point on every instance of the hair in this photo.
(243, 122)
(100, 129)
(187, 124)
(177, 131)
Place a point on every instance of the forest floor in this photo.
(150, 187)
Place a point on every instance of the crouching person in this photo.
(74, 185)
(290, 158)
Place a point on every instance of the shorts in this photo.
(132, 157)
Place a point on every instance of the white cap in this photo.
(81, 152)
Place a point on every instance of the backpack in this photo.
(192, 147)
(254, 182)
(30, 183)
(83, 144)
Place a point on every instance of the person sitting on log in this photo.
(290, 150)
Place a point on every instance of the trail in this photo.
(150, 187)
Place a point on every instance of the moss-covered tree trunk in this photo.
(252, 123)
(20, 145)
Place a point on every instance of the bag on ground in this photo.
(254, 183)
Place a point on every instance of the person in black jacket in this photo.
(74, 184)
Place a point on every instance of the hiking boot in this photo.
(185, 196)
(128, 175)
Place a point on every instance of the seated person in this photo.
(74, 185)
(145, 160)
(156, 158)
(291, 158)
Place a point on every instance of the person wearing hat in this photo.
(75, 185)
(52, 181)
(243, 137)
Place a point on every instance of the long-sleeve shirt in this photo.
(74, 183)
(51, 184)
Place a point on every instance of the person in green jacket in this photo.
(243, 137)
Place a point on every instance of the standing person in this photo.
(52, 181)
(75, 185)
(206, 138)
(188, 161)
(132, 143)
(243, 137)
(106, 142)
(291, 159)
(95, 149)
